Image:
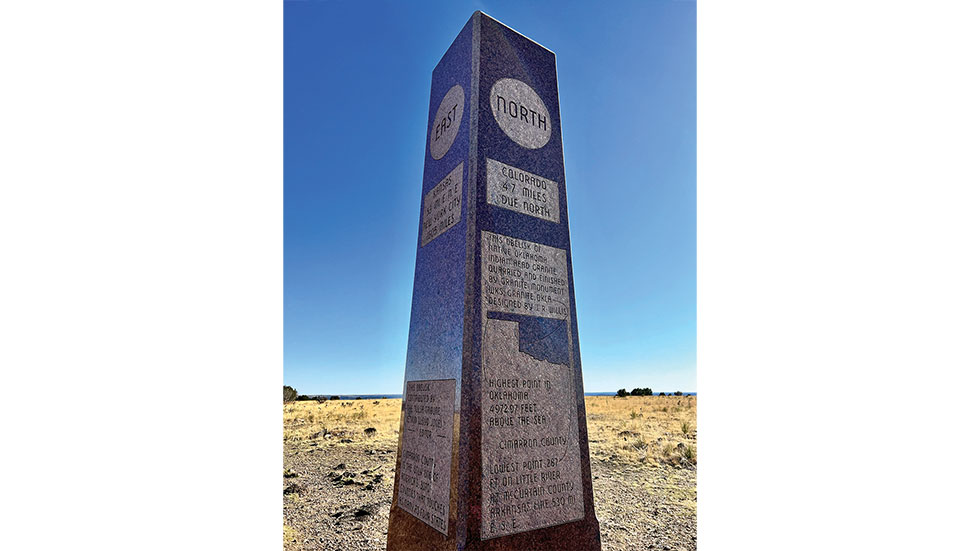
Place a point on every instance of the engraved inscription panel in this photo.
(532, 467)
(520, 113)
(442, 205)
(426, 461)
(445, 125)
(523, 277)
(521, 191)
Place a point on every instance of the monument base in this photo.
(407, 533)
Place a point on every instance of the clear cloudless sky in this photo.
(356, 94)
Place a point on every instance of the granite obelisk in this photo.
(493, 450)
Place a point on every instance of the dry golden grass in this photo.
(643, 429)
(634, 429)
(343, 419)
(290, 538)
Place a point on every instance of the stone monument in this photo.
(493, 452)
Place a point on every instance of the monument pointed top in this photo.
(488, 16)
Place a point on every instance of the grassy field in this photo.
(339, 459)
(643, 429)
(343, 419)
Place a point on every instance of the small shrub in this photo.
(621, 393)
(678, 393)
(690, 453)
(637, 444)
(335, 397)
(662, 394)
(634, 415)
(685, 428)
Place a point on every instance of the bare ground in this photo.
(336, 497)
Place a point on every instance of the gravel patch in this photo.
(337, 498)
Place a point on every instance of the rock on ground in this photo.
(338, 497)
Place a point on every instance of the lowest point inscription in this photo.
(532, 466)
(532, 470)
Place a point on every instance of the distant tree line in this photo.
(641, 392)
(635, 392)
(289, 394)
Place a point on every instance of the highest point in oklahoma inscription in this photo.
(531, 464)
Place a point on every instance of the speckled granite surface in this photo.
(493, 310)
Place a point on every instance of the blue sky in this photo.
(356, 87)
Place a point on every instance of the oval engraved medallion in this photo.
(520, 113)
(445, 126)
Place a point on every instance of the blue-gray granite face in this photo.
(435, 336)
(505, 57)
(517, 87)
